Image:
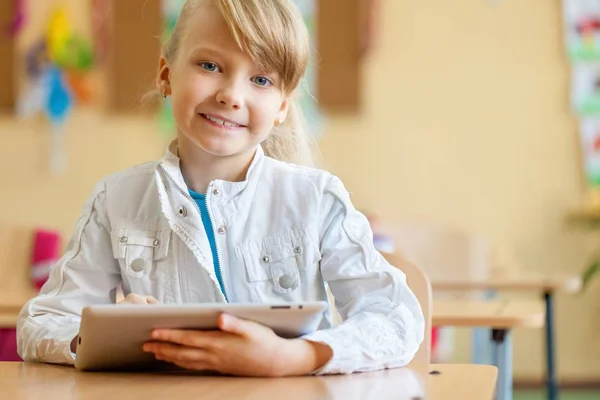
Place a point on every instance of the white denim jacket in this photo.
(282, 234)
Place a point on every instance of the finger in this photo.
(192, 366)
(237, 326)
(190, 338)
(133, 299)
(151, 300)
(174, 353)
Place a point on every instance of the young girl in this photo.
(228, 215)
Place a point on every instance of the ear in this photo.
(162, 77)
(283, 110)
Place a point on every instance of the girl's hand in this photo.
(133, 298)
(239, 348)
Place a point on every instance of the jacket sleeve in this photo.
(383, 324)
(86, 274)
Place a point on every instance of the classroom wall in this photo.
(465, 120)
(96, 144)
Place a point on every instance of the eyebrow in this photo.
(206, 49)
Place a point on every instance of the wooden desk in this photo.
(546, 284)
(568, 283)
(49, 382)
(501, 316)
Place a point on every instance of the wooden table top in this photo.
(499, 314)
(50, 382)
(568, 283)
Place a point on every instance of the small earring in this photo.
(276, 123)
(165, 89)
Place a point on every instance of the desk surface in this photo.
(569, 283)
(48, 382)
(499, 314)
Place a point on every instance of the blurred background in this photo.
(470, 114)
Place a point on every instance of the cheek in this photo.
(188, 90)
(264, 112)
(187, 93)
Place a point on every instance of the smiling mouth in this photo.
(221, 122)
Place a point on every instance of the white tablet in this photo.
(111, 336)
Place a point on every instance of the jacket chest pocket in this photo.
(283, 259)
(139, 249)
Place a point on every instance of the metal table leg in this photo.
(502, 358)
(480, 342)
(552, 390)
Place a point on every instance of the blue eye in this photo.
(261, 81)
(211, 67)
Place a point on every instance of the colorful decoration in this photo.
(582, 41)
(582, 32)
(58, 107)
(35, 58)
(590, 145)
(58, 34)
(57, 67)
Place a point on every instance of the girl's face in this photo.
(222, 102)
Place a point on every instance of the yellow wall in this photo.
(465, 121)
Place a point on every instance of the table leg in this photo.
(480, 343)
(480, 346)
(550, 371)
(502, 358)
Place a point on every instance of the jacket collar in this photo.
(171, 165)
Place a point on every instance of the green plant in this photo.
(590, 272)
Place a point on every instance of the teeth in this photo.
(220, 121)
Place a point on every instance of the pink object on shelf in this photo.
(46, 249)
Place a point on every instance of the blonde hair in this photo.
(273, 34)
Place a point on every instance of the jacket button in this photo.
(123, 239)
(221, 230)
(287, 281)
(156, 242)
(216, 191)
(182, 211)
(298, 249)
(265, 259)
(138, 265)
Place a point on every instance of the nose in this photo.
(230, 95)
